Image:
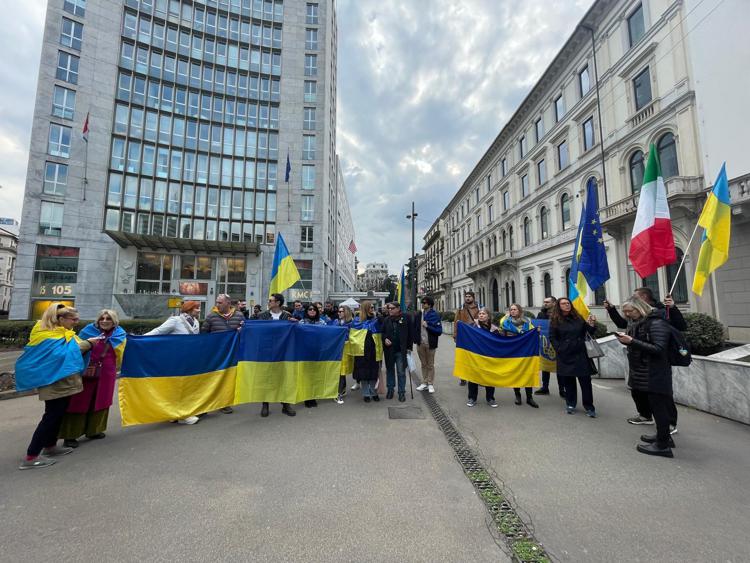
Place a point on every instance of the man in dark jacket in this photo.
(299, 311)
(397, 342)
(276, 313)
(426, 329)
(549, 302)
(223, 317)
(670, 313)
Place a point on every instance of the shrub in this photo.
(704, 334)
(15, 334)
(448, 316)
(601, 330)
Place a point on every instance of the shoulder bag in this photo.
(593, 350)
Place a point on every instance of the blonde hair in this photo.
(51, 317)
(639, 305)
(365, 308)
(348, 315)
(113, 315)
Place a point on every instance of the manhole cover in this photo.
(405, 413)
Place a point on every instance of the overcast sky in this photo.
(424, 87)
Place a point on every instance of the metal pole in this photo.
(413, 260)
(599, 112)
(682, 263)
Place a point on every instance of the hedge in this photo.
(704, 334)
(15, 334)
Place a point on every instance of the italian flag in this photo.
(652, 243)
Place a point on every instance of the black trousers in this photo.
(342, 384)
(587, 392)
(642, 403)
(45, 435)
(474, 392)
(529, 391)
(560, 382)
(660, 407)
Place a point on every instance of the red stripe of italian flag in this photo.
(652, 243)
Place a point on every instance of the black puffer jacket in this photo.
(568, 339)
(649, 367)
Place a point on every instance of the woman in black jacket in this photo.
(567, 332)
(650, 372)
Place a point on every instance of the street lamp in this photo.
(413, 261)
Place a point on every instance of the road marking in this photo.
(600, 386)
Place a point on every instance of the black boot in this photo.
(264, 410)
(651, 439)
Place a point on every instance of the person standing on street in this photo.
(276, 313)
(513, 324)
(567, 332)
(347, 360)
(312, 317)
(397, 342)
(367, 366)
(549, 303)
(426, 330)
(466, 314)
(483, 321)
(223, 317)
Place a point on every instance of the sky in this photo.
(424, 87)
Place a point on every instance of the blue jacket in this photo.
(434, 328)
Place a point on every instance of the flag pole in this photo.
(682, 262)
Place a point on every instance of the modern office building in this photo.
(632, 74)
(159, 150)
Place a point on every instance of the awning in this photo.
(152, 242)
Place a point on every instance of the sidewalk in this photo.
(591, 496)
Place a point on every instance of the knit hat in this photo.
(189, 306)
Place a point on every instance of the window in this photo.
(680, 293)
(309, 119)
(652, 282)
(59, 140)
(311, 39)
(308, 177)
(308, 147)
(75, 7)
(524, 186)
(311, 65)
(559, 108)
(636, 25)
(506, 200)
(511, 240)
(600, 295)
(541, 171)
(490, 213)
(636, 171)
(55, 178)
(71, 34)
(63, 102)
(642, 89)
(522, 147)
(306, 240)
(526, 231)
(505, 241)
(311, 14)
(153, 273)
(547, 285)
(667, 156)
(539, 129)
(50, 219)
(563, 158)
(311, 91)
(588, 133)
(308, 208)
(565, 210)
(67, 67)
(504, 167)
(529, 292)
(544, 223)
(584, 81)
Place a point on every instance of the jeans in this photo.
(45, 435)
(427, 359)
(368, 389)
(396, 366)
(660, 406)
(474, 392)
(587, 393)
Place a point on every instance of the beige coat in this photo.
(467, 315)
(64, 388)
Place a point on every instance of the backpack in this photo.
(678, 349)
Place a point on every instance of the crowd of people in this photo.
(78, 404)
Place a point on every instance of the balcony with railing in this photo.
(504, 258)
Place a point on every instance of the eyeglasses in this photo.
(341, 311)
(105, 319)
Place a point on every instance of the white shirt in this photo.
(275, 316)
(178, 324)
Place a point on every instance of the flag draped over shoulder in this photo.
(49, 356)
(117, 339)
(284, 273)
(716, 220)
(652, 243)
(496, 361)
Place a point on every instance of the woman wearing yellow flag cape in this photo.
(367, 366)
(347, 360)
(513, 324)
(51, 362)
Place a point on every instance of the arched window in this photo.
(636, 171)
(547, 285)
(652, 282)
(667, 150)
(565, 210)
(680, 293)
(510, 237)
(464, 262)
(529, 293)
(526, 231)
(600, 295)
(507, 295)
(566, 283)
(513, 291)
(544, 222)
(505, 241)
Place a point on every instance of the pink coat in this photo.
(98, 390)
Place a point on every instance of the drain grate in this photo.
(405, 413)
(517, 536)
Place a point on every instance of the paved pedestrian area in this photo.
(346, 483)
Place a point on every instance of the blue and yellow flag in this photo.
(117, 340)
(496, 361)
(49, 356)
(716, 220)
(546, 351)
(284, 273)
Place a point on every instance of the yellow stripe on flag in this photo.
(286, 382)
(497, 372)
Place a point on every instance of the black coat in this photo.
(543, 314)
(675, 317)
(389, 331)
(648, 363)
(568, 339)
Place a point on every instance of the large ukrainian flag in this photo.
(49, 356)
(175, 376)
(496, 361)
(281, 362)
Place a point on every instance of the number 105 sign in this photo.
(54, 290)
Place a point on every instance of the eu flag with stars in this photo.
(592, 262)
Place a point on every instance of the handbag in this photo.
(93, 370)
(593, 350)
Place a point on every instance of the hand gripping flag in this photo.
(716, 220)
(284, 273)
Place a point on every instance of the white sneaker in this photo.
(339, 400)
(422, 387)
(189, 420)
(355, 386)
(672, 429)
(430, 389)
